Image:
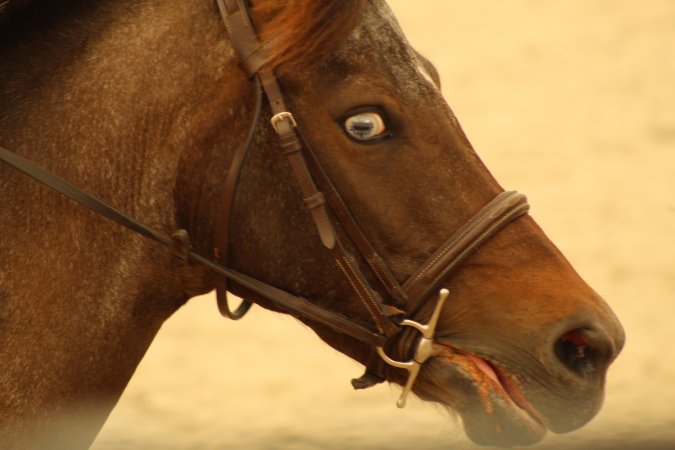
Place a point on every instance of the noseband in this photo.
(392, 307)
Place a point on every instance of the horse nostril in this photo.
(584, 351)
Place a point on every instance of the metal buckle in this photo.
(423, 351)
(279, 117)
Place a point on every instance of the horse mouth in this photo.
(502, 416)
(507, 385)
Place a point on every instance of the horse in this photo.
(154, 108)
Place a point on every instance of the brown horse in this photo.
(144, 104)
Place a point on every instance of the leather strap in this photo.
(222, 231)
(249, 50)
(245, 42)
(506, 207)
(306, 169)
(179, 245)
(89, 201)
(346, 219)
(295, 305)
(309, 172)
(292, 147)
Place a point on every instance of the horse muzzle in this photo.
(507, 399)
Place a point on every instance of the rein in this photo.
(179, 244)
(319, 196)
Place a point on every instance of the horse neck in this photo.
(113, 106)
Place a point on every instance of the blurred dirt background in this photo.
(572, 103)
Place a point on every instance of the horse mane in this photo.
(303, 32)
(9, 7)
(22, 15)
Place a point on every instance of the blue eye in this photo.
(365, 126)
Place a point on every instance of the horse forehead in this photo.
(378, 43)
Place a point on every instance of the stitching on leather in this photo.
(379, 267)
(467, 227)
(487, 233)
(385, 273)
(377, 264)
(369, 303)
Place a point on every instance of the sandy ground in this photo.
(572, 103)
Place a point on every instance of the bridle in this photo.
(393, 307)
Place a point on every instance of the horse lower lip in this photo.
(508, 386)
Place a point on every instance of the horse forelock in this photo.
(303, 32)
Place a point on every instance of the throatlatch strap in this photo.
(222, 231)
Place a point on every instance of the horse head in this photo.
(148, 104)
(524, 343)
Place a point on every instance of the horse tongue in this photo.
(484, 367)
(509, 387)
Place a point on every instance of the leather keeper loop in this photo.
(231, 6)
(290, 146)
(253, 62)
(315, 200)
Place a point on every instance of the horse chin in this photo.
(493, 409)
